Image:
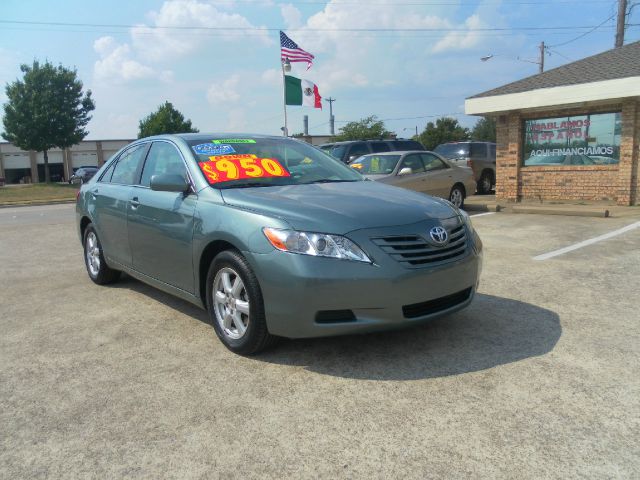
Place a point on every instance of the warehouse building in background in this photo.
(19, 166)
(571, 133)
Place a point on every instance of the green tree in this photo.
(165, 120)
(367, 128)
(46, 109)
(444, 130)
(484, 130)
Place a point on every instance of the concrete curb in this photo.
(565, 210)
(36, 203)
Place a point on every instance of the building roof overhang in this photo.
(562, 96)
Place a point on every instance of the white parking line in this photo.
(481, 214)
(575, 246)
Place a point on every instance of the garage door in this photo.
(84, 159)
(15, 160)
(54, 157)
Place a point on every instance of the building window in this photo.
(591, 139)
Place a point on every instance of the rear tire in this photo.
(97, 268)
(456, 196)
(485, 183)
(235, 305)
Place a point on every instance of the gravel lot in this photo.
(537, 379)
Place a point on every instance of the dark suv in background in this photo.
(480, 156)
(349, 151)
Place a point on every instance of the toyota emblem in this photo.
(438, 235)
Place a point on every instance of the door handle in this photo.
(135, 203)
(94, 192)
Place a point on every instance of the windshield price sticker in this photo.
(212, 149)
(233, 140)
(223, 168)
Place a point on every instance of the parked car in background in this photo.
(274, 238)
(480, 156)
(350, 150)
(83, 174)
(425, 172)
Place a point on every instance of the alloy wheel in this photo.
(231, 303)
(92, 252)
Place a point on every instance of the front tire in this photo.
(97, 268)
(456, 196)
(235, 305)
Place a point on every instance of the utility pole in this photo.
(331, 120)
(622, 14)
(541, 64)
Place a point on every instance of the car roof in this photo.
(213, 136)
(396, 152)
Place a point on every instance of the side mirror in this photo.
(405, 171)
(169, 182)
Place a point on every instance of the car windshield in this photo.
(376, 164)
(264, 162)
(453, 150)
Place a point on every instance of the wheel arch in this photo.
(208, 254)
(84, 222)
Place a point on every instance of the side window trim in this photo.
(136, 178)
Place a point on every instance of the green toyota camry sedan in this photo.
(275, 238)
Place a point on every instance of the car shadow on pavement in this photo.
(167, 299)
(492, 331)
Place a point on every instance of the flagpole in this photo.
(284, 100)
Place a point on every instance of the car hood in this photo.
(339, 207)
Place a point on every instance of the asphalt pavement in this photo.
(538, 378)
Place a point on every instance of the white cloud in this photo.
(461, 40)
(115, 62)
(291, 15)
(225, 92)
(161, 40)
(272, 77)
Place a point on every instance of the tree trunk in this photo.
(47, 175)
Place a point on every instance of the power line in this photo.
(275, 29)
(425, 4)
(583, 34)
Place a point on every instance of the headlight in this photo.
(315, 244)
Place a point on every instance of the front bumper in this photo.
(302, 293)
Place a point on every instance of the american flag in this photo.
(290, 50)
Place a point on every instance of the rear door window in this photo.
(478, 150)
(492, 152)
(379, 147)
(414, 163)
(402, 145)
(358, 149)
(127, 168)
(431, 162)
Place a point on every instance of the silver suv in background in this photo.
(480, 156)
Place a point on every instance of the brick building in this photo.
(571, 133)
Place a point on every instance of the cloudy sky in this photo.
(406, 61)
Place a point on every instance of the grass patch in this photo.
(37, 193)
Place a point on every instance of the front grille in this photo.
(414, 251)
(434, 306)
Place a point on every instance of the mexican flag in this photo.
(301, 92)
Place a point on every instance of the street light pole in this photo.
(286, 67)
